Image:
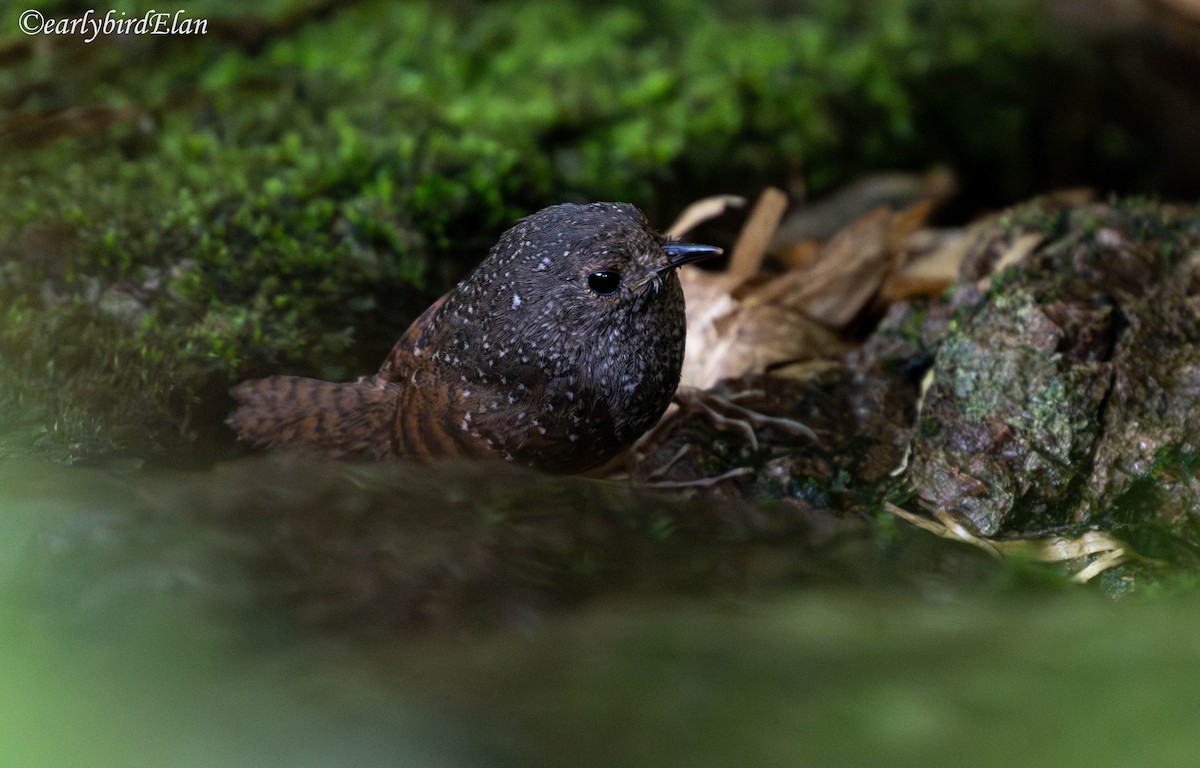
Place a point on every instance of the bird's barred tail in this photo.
(338, 419)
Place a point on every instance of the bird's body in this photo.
(557, 352)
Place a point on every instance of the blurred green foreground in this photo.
(950, 674)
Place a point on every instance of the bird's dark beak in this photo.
(685, 253)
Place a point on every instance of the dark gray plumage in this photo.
(557, 352)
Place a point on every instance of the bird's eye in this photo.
(604, 283)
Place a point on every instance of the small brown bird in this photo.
(557, 352)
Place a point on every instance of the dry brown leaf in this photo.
(755, 237)
(797, 255)
(904, 224)
(848, 271)
(933, 270)
(701, 211)
(737, 327)
(822, 219)
(1017, 252)
(728, 339)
